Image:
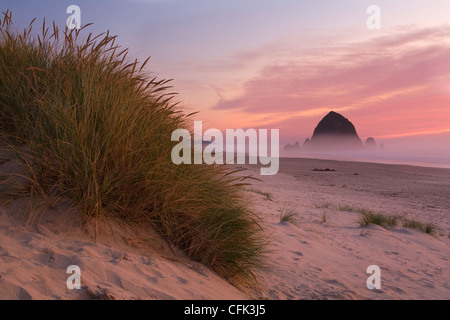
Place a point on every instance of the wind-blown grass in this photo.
(428, 227)
(288, 215)
(378, 219)
(324, 217)
(390, 220)
(94, 128)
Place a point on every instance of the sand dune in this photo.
(33, 266)
(309, 260)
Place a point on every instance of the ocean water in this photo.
(435, 160)
(418, 155)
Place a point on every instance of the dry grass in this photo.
(390, 220)
(288, 215)
(94, 128)
(324, 217)
(380, 219)
(429, 227)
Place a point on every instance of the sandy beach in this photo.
(309, 258)
(328, 260)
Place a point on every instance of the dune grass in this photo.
(288, 215)
(388, 220)
(392, 220)
(380, 219)
(92, 127)
(428, 227)
(268, 196)
(324, 217)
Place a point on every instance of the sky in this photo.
(284, 64)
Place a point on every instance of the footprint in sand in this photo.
(298, 254)
(182, 280)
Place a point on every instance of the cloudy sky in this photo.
(285, 63)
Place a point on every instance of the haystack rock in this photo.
(335, 132)
(370, 143)
(292, 147)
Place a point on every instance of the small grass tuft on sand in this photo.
(383, 220)
(288, 215)
(324, 217)
(428, 227)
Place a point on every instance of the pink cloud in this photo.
(392, 76)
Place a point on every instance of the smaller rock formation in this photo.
(292, 147)
(307, 143)
(370, 143)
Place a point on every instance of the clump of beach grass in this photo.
(324, 217)
(428, 227)
(94, 128)
(288, 215)
(388, 220)
(393, 220)
(383, 220)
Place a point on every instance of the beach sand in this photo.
(309, 259)
(317, 260)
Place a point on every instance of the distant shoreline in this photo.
(387, 162)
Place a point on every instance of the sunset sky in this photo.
(284, 64)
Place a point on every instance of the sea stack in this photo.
(335, 132)
(307, 143)
(292, 147)
(370, 143)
